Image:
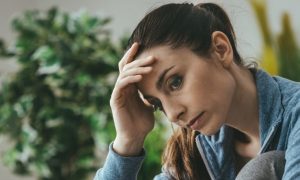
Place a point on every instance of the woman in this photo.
(183, 61)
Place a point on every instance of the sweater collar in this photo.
(270, 107)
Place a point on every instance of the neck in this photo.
(243, 115)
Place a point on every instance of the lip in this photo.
(194, 121)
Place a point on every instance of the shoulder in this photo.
(289, 89)
(290, 94)
(290, 100)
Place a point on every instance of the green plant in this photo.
(281, 54)
(55, 109)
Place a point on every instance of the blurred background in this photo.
(58, 64)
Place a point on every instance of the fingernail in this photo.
(134, 44)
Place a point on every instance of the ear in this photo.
(221, 47)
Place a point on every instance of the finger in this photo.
(136, 71)
(123, 61)
(128, 56)
(139, 63)
(131, 54)
(128, 80)
(122, 84)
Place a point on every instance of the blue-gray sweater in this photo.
(279, 117)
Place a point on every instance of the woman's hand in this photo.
(132, 117)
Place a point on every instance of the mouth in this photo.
(194, 121)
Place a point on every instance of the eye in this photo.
(175, 82)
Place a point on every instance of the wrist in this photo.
(125, 147)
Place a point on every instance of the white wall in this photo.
(126, 15)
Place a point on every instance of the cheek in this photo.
(223, 96)
(217, 103)
(197, 95)
(214, 93)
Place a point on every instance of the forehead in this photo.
(165, 54)
(159, 52)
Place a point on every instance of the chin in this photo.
(211, 130)
(208, 133)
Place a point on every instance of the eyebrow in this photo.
(162, 77)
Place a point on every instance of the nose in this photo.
(174, 110)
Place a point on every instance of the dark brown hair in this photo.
(184, 25)
(191, 26)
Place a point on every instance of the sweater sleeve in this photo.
(117, 167)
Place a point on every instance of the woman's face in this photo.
(193, 91)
